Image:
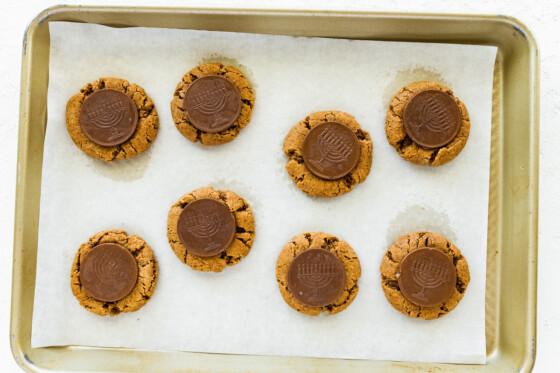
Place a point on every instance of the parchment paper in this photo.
(240, 310)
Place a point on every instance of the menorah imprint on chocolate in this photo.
(332, 147)
(437, 118)
(211, 101)
(428, 275)
(107, 271)
(108, 115)
(205, 227)
(316, 274)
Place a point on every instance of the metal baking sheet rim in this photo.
(513, 208)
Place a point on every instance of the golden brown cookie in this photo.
(242, 240)
(185, 126)
(143, 136)
(319, 240)
(302, 176)
(405, 146)
(142, 290)
(390, 267)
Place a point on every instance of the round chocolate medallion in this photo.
(427, 277)
(206, 227)
(108, 272)
(331, 150)
(108, 117)
(316, 277)
(432, 119)
(212, 103)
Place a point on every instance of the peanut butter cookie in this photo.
(329, 153)
(112, 119)
(426, 124)
(212, 104)
(423, 275)
(210, 229)
(113, 273)
(316, 272)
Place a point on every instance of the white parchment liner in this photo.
(240, 310)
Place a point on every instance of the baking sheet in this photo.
(240, 310)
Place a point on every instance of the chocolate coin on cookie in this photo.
(204, 235)
(316, 277)
(427, 124)
(432, 119)
(316, 272)
(206, 227)
(427, 277)
(331, 150)
(329, 153)
(212, 103)
(108, 272)
(108, 117)
(424, 275)
(113, 273)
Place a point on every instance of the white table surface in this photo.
(541, 16)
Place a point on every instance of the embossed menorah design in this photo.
(205, 227)
(316, 275)
(211, 102)
(108, 115)
(332, 147)
(107, 271)
(428, 275)
(437, 117)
